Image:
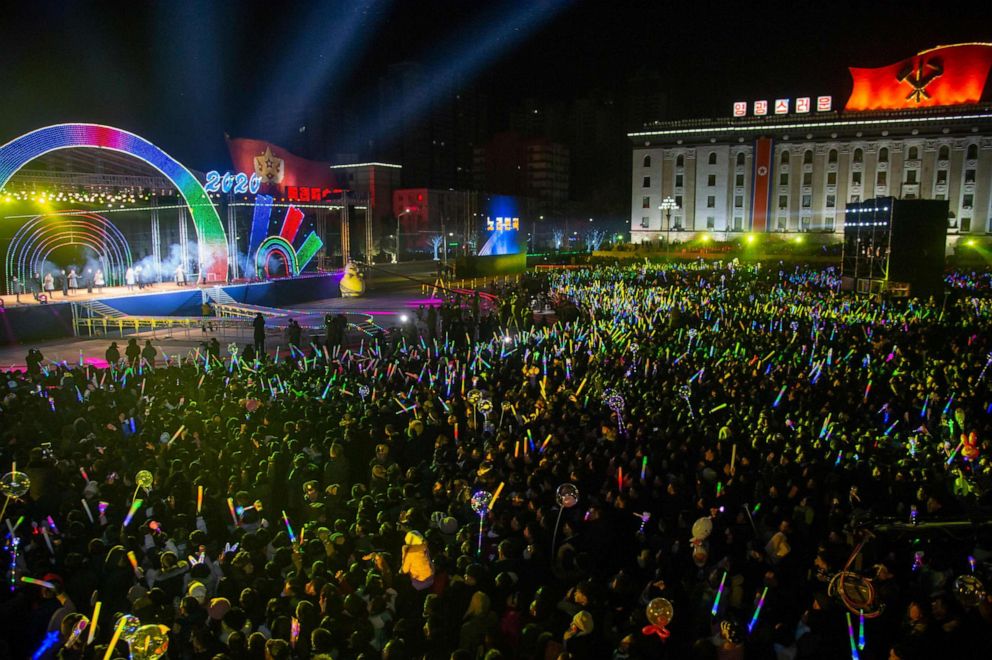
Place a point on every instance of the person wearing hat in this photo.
(416, 561)
(578, 639)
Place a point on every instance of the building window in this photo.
(914, 153)
(678, 201)
(680, 161)
(739, 180)
(856, 178)
(807, 178)
(883, 155)
(911, 176)
(988, 226)
(647, 161)
(740, 159)
(831, 201)
(968, 201)
(738, 223)
(645, 222)
(808, 157)
(647, 182)
(782, 223)
(832, 156)
(785, 157)
(711, 180)
(783, 201)
(855, 199)
(972, 153)
(710, 222)
(941, 177)
(965, 224)
(645, 202)
(859, 156)
(969, 176)
(804, 223)
(828, 223)
(831, 178)
(678, 180)
(783, 179)
(710, 202)
(940, 197)
(712, 158)
(807, 201)
(738, 201)
(881, 179)
(944, 153)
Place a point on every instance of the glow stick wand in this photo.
(199, 499)
(861, 630)
(93, 620)
(719, 594)
(644, 467)
(234, 515)
(135, 505)
(116, 638)
(40, 583)
(757, 612)
(86, 507)
(134, 562)
(850, 635)
(289, 528)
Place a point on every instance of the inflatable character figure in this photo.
(352, 284)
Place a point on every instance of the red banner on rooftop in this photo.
(279, 169)
(946, 75)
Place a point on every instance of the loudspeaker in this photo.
(895, 246)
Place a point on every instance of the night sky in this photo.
(184, 73)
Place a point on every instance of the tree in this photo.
(558, 236)
(437, 240)
(594, 239)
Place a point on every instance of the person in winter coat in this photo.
(417, 561)
(479, 621)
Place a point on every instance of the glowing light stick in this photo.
(620, 478)
(116, 638)
(718, 408)
(545, 443)
(134, 562)
(719, 595)
(86, 507)
(861, 630)
(199, 499)
(289, 528)
(135, 505)
(644, 467)
(757, 612)
(778, 399)
(40, 583)
(93, 620)
(867, 390)
(850, 636)
(971, 562)
(48, 540)
(230, 507)
(178, 433)
(492, 502)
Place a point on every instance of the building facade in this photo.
(793, 165)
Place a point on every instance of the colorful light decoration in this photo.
(281, 244)
(35, 240)
(211, 237)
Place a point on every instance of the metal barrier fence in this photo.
(96, 326)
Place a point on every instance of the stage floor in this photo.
(81, 295)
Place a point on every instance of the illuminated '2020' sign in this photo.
(238, 183)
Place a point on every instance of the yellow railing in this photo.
(104, 325)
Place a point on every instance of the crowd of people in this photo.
(684, 461)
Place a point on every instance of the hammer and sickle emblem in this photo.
(919, 76)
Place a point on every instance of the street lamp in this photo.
(668, 205)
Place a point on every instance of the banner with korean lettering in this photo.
(762, 184)
(946, 75)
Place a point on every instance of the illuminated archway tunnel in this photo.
(37, 238)
(272, 246)
(211, 238)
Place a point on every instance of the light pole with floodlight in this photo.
(668, 205)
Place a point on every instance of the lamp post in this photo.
(401, 214)
(668, 205)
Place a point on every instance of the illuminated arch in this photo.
(211, 238)
(276, 244)
(35, 240)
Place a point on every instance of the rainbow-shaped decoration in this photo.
(282, 243)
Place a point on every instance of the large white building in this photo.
(914, 129)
